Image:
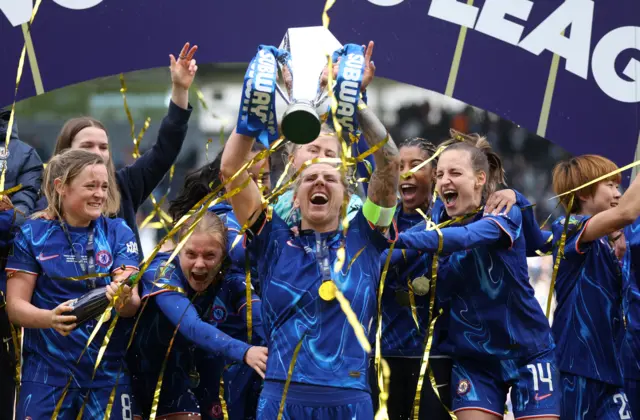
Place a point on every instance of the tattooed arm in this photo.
(383, 185)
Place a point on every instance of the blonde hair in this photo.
(291, 149)
(66, 167)
(483, 158)
(210, 224)
(570, 174)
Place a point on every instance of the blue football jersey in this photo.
(483, 270)
(401, 337)
(41, 247)
(631, 302)
(236, 254)
(168, 301)
(587, 323)
(330, 354)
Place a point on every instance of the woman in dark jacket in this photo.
(138, 180)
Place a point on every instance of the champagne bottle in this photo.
(93, 304)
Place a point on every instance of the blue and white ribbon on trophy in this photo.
(348, 84)
(257, 116)
(347, 92)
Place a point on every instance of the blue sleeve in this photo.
(265, 240)
(239, 291)
(372, 234)
(144, 175)
(30, 176)
(632, 234)
(572, 246)
(178, 309)
(484, 232)
(536, 239)
(126, 250)
(155, 280)
(22, 258)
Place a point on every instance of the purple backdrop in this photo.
(412, 46)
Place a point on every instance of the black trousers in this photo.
(402, 389)
(7, 368)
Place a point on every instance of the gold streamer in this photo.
(112, 397)
(248, 296)
(223, 402)
(602, 178)
(156, 393)
(432, 323)
(123, 91)
(412, 297)
(15, 94)
(289, 374)
(355, 257)
(138, 140)
(378, 355)
(559, 256)
(16, 338)
(352, 318)
(383, 412)
(423, 164)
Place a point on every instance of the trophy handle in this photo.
(282, 95)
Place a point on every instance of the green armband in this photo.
(379, 216)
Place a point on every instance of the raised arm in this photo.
(383, 185)
(144, 175)
(246, 203)
(481, 233)
(615, 218)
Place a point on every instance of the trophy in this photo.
(301, 59)
(307, 50)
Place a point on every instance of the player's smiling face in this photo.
(607, 195)
(458, 185)
(200, 260)
(415, 190)
(84, 197)
(320, 195)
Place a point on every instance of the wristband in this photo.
(379, 216)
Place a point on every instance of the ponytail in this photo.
(483, 158)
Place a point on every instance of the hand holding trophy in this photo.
(302, 62)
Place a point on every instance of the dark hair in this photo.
(483, 159)
(424, 145)
(199, 183)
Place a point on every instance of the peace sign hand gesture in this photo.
(183, 70)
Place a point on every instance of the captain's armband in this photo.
(378, 216)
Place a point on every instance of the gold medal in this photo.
(327, 291)
(421, 286)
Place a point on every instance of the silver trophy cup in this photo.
(308, 48)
